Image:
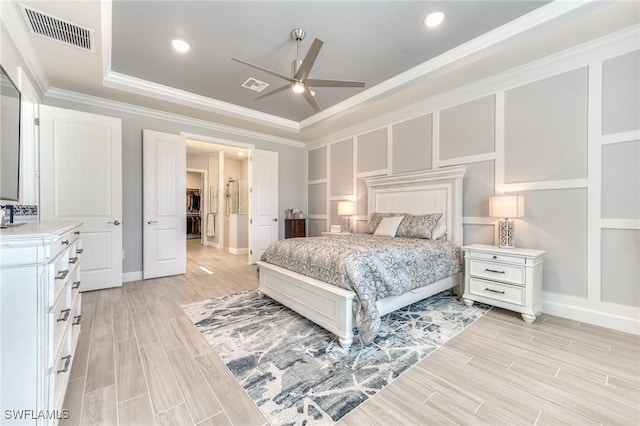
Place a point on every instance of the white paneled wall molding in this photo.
(573, 178)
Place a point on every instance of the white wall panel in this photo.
(621, 93)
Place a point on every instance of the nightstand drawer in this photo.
(517, 260)
(512, 274)
(504, 292)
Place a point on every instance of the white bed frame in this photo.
(433, 191)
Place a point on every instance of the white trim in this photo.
(620, 224)
(542, 185)
(131, 276)
(389, 169)
(435, 140)
(617, 317)
(238, 250)
(217, 141)
(158, 91)
(490, 156)
(631, 136)
(153, 113)
(499, 163)
(594, 182)
(317, 181)
(478, 220)
(477, 48)
(106, 16)
(371, 173)
(610, 45)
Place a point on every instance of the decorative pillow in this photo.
(419, 226)
(376, 218)
(440, 231)
(389, 226)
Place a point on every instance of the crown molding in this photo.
(106, 37)
(600, 49)
(95, 101)
(476, 48)
(181, 97)
(11, 21)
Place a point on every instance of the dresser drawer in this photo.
(63, 243)
(58, 319)
(59, 271)
(492, 290)
(61, 370)
(512, 274)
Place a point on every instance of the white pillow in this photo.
(440, 230)
(389, 226)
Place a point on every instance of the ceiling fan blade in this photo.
(312, 101)
(267, 70)
(333, 83)
(274, 91)
(308, 60)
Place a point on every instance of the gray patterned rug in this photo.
(297, 373)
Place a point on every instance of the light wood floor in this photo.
(140, 361)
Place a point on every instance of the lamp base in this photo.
(346, 224)
(506, 233)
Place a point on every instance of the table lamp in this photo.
(346, 209)
(506, 207)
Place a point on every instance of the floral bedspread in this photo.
(371, 266)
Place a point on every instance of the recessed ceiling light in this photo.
(434, 19)
(180, 45)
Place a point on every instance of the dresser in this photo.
(294, 228)
(507, 278)
(39, 319)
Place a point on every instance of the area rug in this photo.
(298, 374)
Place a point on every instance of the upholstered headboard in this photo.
(431, 191)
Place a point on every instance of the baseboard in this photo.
(238, 251)
(131, 276)
(589, 315)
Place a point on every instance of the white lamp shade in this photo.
(506, 206)
(346, 208)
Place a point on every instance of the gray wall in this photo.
(291, 178)
(530, 138)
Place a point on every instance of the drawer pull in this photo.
(494, 271)
(62, 274)
(65, 242)
(76, 284)
(77, 320)
(64, 315)
(494, 291)
(73, 260)
(67, 362)
(495, 257)
(77, 232)
(79, 251)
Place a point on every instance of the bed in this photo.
(332, 307)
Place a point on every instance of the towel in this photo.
(211, 225)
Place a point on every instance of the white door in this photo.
(81, 180)
(164, 165)
(264, 202)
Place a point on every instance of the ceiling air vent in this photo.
(57, 29)
(255, 85)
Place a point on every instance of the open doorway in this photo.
(224, 211)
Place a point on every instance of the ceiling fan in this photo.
(299, 81)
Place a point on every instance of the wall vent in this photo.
(57, 29)
(255, 85)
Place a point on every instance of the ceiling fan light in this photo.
(297, 87)
(434, 19)
(180, 45)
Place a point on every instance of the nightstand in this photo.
(507, 278)
(295, 228)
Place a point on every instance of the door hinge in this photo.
(36, 121)
(250, 220)
(250, 190)
(250, 251)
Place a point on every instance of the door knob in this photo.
(275, 219)
(115, 222)
(151, 222)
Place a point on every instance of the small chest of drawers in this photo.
(295, 228)
(507, 278)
